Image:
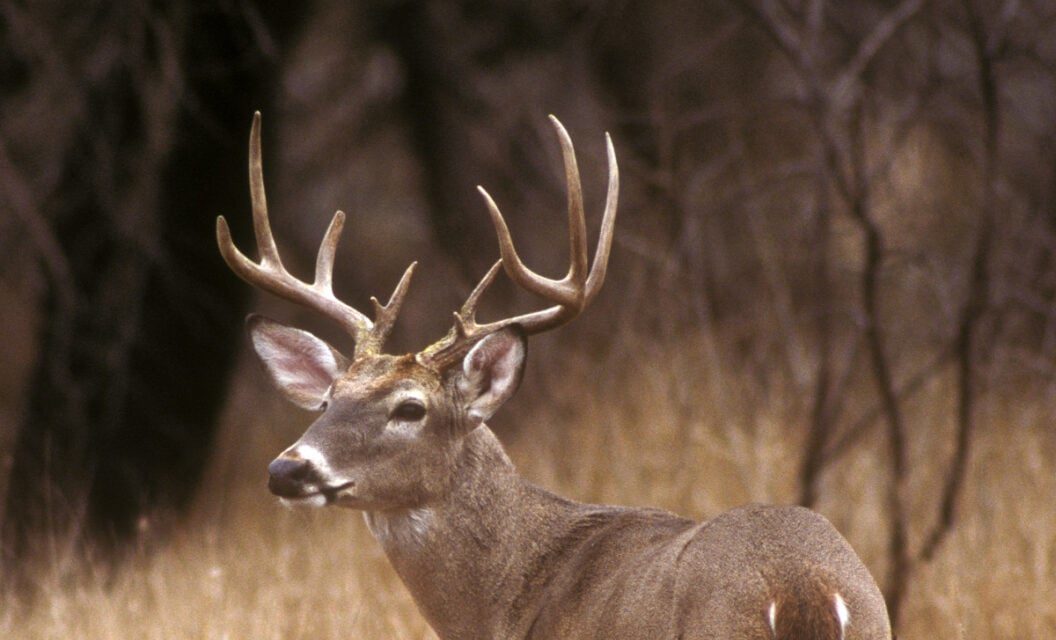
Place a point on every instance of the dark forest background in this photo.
(834, 203)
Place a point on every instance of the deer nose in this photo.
(287, 476)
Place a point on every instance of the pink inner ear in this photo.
(479, 359)
(304, 371)
(497, 352)
(301, 365)
(491, 371)
(505, 365)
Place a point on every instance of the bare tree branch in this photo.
(862, 426)
(977, 302)
(22, 204)
(884, 30)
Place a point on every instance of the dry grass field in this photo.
(244, 567)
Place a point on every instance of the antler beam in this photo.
(570, 294)
(271, 276)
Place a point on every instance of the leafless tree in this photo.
(116, 187)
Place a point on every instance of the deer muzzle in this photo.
(290, 477)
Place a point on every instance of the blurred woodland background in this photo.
(833, 283)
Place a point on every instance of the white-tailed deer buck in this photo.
(485, 553)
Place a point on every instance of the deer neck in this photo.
(463, 557)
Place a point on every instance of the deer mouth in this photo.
(333, 494)
(320, 497)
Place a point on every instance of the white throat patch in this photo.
(405, 529)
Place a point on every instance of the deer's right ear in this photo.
(301, 365)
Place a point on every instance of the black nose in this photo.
(287, 476)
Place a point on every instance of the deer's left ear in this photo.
(491, 372)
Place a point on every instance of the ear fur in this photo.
(301, 365)
(491, 372)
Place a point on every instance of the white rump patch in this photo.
(772, 615)
(407, 528)
(842, 613)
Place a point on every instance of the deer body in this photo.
(484, 553)
(501, 558)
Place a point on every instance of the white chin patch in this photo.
(316, 500)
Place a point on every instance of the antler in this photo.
(271, 276)
(570, 294)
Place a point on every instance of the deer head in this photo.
(391, 425)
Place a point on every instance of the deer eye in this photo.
(408, 411)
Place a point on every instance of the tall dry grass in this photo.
(672, 432)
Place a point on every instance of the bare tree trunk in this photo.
(977, 297)
(129, 381)
(438, 106)
(898, 546)
(821, 414)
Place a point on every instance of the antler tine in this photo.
(468, 312)
(465, 328)
(571, 294)
(515, 268)
(608, 227)
(577, 224)
(385, 315)
(270, 275)
(324, 260)
(269, 253)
